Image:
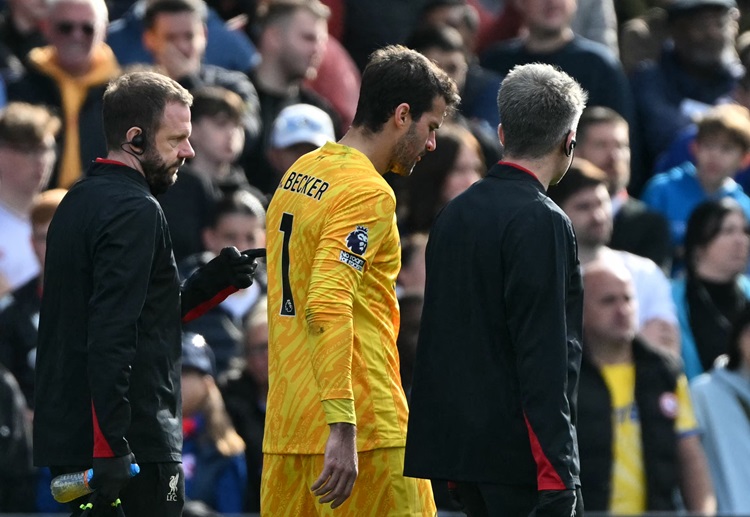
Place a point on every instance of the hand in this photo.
(336, 481)
(231, 267)
(177, 64)
(559, 503)
(110, 476)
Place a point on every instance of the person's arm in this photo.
(538, 250)
(353, 232)
(695, 481)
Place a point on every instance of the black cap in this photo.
(197, 355)
(679, 7)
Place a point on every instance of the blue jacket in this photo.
(217, 480)
(677, 192)
(693, 366)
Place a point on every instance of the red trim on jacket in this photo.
(206, 306)
(111, 162)
(547, 477)
(101, 447)
(516, 166)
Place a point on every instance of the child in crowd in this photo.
(721, 147)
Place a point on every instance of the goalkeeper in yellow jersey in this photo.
(336, 416)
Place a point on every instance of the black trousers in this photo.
(157, 491)
(490, 500)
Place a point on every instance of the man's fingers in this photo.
(321, 481)
(342, 492)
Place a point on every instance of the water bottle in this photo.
(67, 487)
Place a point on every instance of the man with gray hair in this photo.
(70, 76)
(504, 284)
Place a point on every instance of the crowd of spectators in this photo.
(656, 197)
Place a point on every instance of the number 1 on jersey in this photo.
(287, 300)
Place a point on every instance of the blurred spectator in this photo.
(604, 141)
(642, 37)
(175, 34)
(226, 48)
(337, 80)
(699, 69)
(297, 130)
(245, 388)
(715, 290)
(584, 198)
(454, 165)
(19, 321)
(478, 87)
(27, 154)
(550, 39)
(637, 433)
(369, 26)
(721, 399)
(16, 470)
(217, 139)
(212, 452)
(721, 145)
(3, 94)
(21, 26)
(70, 75)
(411, 276)
(595, 20)
(291, 40)
(680, 150)
(238, 220)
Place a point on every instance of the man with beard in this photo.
(108, 357)
(336, 406)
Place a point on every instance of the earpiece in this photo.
(136, 145)
(138, 141)
(568, 150)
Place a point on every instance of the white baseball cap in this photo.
(302, 123)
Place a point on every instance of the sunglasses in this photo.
(67, 28)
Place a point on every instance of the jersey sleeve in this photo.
(352, 233)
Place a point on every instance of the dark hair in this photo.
(593, 115)
(138, 99)
(582, 175)
(704, 225)
(211, 101)
(739, 325)
(25, 126)
(430, 37)
(395, 75)
(276, 11)
(239, 202)
(158, 7)
(421, 192)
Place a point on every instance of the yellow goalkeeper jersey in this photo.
(333, 318)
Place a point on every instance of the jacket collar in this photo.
(511, 171)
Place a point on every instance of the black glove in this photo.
(110, 476)
(230, 267)
(559, 503)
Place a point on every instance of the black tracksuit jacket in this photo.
(108, 358)
(499, 353)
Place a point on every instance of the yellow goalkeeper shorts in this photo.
(380, 490)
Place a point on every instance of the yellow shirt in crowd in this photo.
(628, 477)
